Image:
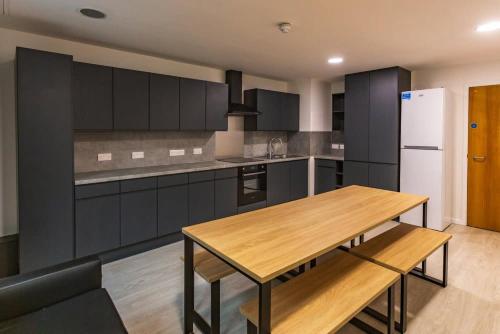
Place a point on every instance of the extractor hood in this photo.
(236, 107)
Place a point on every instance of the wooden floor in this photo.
(148, 290)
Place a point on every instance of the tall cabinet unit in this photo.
(45, 158)
(372, 127)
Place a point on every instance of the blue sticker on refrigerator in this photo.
(406, 96)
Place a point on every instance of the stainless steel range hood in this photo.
(234, 79)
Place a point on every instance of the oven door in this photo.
(252, 187)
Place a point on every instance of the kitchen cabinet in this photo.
(130, 99)
(325, 175)
(357, 116)
(279, 111)
(44, 158)
(173, 203)
(192, 104)
(93, 97)
(384, 176)
(138, 210)
(226, 192)
(278, 183)
(164, 109)
(201, 197)
(97, 218)
(356, 173)
(217, 95)
(299, 177)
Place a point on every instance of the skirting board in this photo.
(9, 255)
(457, 221)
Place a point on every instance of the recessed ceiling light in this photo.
(490, 26)
(92, 13)
(335, 60)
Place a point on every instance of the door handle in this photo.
(478, 159)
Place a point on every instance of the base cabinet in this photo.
(299, 179)
(173, 209)
(138, 216)
(356, 173)
(287, 181)
(382, 176)
(226, 197)
(324, 179)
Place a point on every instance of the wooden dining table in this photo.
(264, 244)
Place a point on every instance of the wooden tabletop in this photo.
(269, 242)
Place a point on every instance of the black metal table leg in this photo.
(445, 265)
(265, 308)
(390, 310)
(215, 307)
(424, 225)
(353, 243)
(403, 308)
(302, 268)
(361, 238)
(312, 264)
(188, 285)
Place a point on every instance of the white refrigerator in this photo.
(423, 139)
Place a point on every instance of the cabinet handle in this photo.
(478, 159)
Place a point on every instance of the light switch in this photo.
(137, 155)
(174, 153)
(197, 150)
(104, 157)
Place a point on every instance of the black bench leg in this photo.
(302, 268)
(445, 265)
(403, 308)
(353, 243)
(215, 307)
(265, 308)
(188, 285)
(361, 239)
(390, 310)
(251, 329)
(312, 264)
(424, 225)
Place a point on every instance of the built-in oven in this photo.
(252, 184)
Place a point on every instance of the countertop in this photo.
(330, 157)
(140, 172)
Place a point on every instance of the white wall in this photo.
(315, 104)
(457, 80)
(9, 39)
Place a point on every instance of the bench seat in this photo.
(401, 248)
(210, 267)
(325, 298)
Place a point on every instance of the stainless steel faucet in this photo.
(270, 150)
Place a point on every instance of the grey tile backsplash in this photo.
(155, 145)
(255, 142)
(310, 143)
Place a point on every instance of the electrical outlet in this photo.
(174, 153)
(341, 146)
(197, 150)
(137, 155)
(104, 157)
(335, 146)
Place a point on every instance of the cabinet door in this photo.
(192, 104)
(97, 225)
(173, 211)
(269, 103)
(278, 183)
(138, 216)
(356, 173)
(226, 197)
(357, 116)
(299, 177)
(201, 202)
(290, 112)
(130, 99)
(384, 116)
(163, 102)
(325, 179)
(217, 105)
(93, 97)
(384, 176)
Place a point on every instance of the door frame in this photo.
(465, 144)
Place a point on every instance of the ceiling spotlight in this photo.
(335, 60)
(92, 13)
(490, 26)
(285, 27)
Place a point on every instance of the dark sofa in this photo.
(66, 298)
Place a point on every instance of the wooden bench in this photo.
(402, 249)
(212, 270)
(325, 298)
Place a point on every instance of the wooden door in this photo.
(483, 189)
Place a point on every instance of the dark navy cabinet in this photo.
(325, 174)
(92, 97)
(173, 203)
(290, 112)
(356, 173)
(97, 218)
(217, 96)
(138, 210)
(299, 179)
(192, 104)
(163, 102)
(287, 181)
(44, 158)
(201, 197)
(384, 176)
(130, 99)
(226, 193)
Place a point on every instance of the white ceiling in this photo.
(242, 34)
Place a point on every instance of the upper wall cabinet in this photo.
(192, 104)
(130, 99)
(217, 96)
(163, 102)
(93, 97)
(279, 111)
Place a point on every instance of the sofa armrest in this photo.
(32, 291)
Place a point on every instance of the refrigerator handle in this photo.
(430, 148)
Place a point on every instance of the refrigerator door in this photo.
(422, 174)
(422, 119)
